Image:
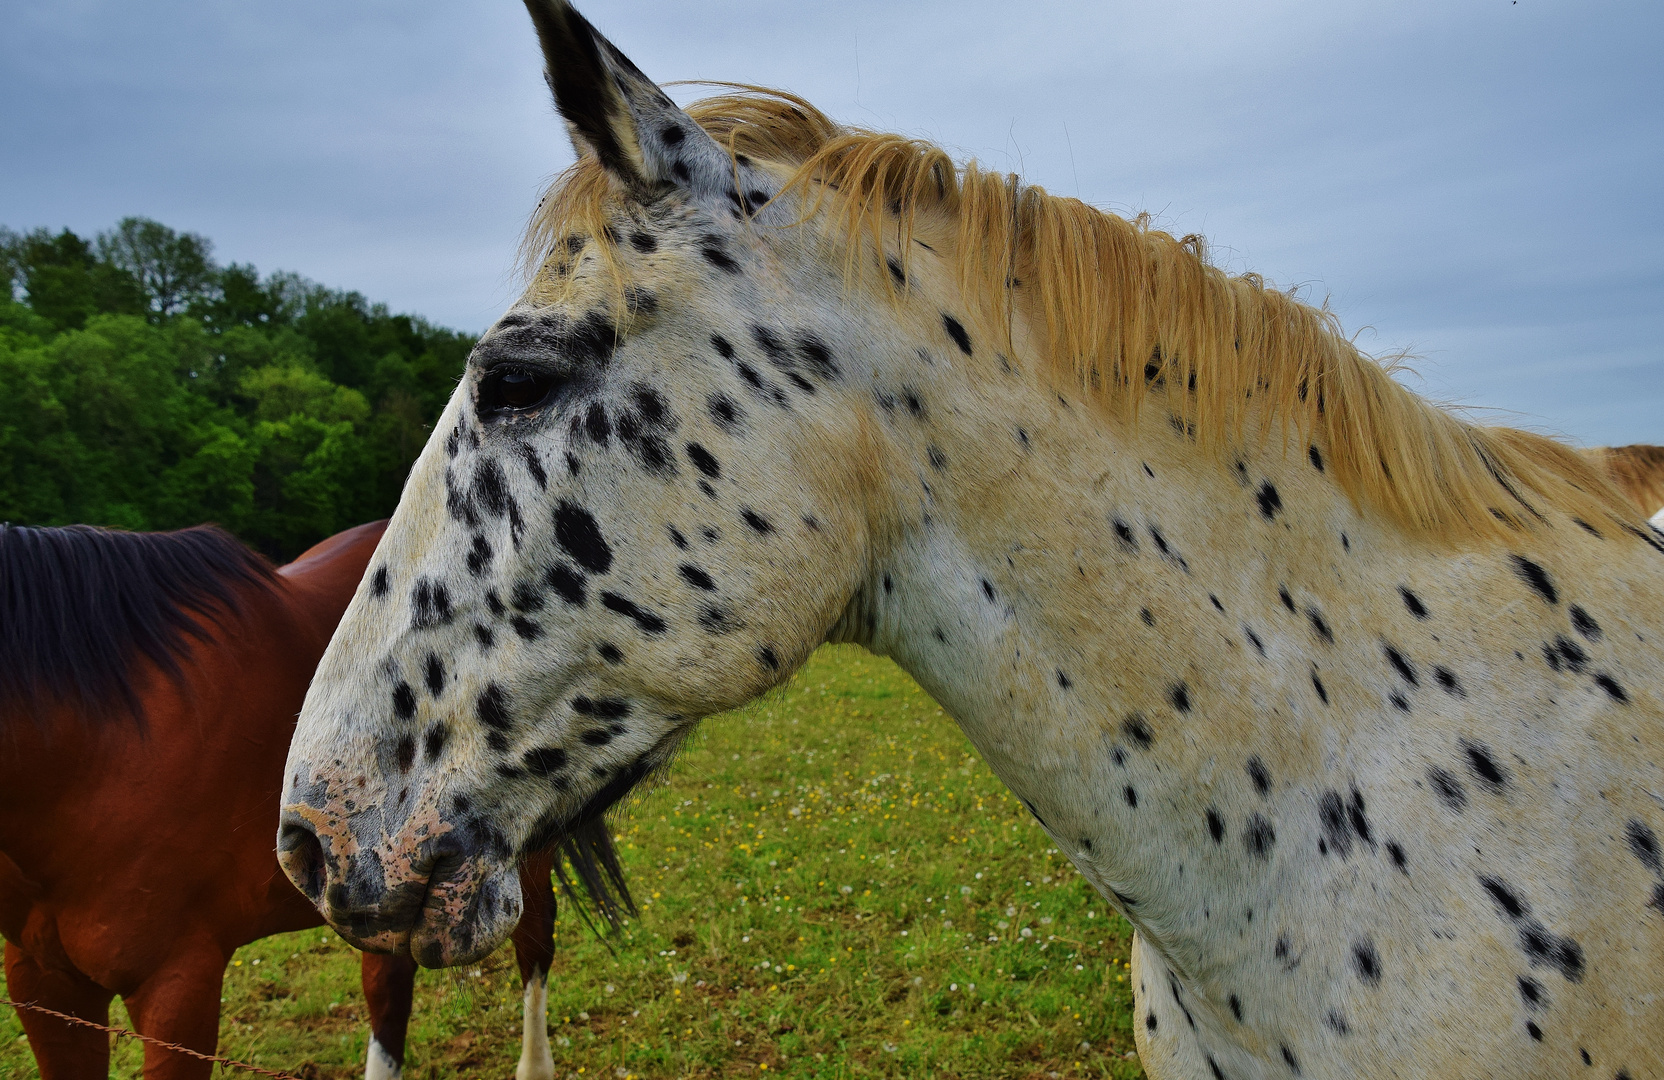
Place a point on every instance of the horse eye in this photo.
(512, 390)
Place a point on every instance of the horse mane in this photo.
(1637, 470)
(1122, 312)
(78, 605)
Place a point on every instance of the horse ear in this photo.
(620, 115)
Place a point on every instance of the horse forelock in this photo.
(80, 606)
(1117, 308)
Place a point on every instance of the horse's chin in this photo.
(462, 918)
(465, 917)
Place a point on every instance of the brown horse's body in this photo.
(134, 859)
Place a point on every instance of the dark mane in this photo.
(78, 605)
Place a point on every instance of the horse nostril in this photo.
(302, 856)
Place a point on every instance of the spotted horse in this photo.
(1351, 707)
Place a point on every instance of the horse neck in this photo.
(322, 580)
(1074, 590)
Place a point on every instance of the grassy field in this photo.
(832, 885)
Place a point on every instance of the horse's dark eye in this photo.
(513, 389)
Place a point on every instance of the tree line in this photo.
(145, 386)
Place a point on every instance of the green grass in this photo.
(832, 885)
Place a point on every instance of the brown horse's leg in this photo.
(180, 1003)
(62, 1051)
(534, 949)
(389, 984)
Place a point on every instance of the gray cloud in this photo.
(1477, 183)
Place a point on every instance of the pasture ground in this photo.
(832, 884)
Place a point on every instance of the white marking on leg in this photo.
(536, 1060)
(379, 1064)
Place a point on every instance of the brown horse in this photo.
(136, 666)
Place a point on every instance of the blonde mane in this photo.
(1121, 311)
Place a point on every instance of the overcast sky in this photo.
(1478, 182)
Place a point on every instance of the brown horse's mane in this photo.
(1121, 310)
(1637, 470)
(79, 605)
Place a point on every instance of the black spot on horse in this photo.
(1610, 685)
(1532, 993)
(526, 598)
(1180, 697)
(646, 620)
(1447, 679)
(703, 461)
(1320, 627)
(723, 347)
(1505, 898)
(433, 743)
(479, 555)
(1258, 773)
(1396, 852)
(1289, 1059)
(1584, 624)
(484, 636)
(724, 411)
(1145, 617)
(601, 708)
(1269, 501)
(696, 577)
(431, 601)
(1259, 646)
(1533, 1030)
(1448, 788)
(404, 701)
(492, 707)
(1149, 1021)
(715, 253)
(567, 583)
(596, 424)
(1315, 458)
(1413, 602)
(677, 538)
(1337, 1022)
(957, 333)
(915, 405)
(580, 537)
(434, 675)
(1336, 831)
(644, 242)
(490, 487)
(816, 356)
(1124, 535)
(938, 460)
(766, 656)
(896, 272)
(526, 628)
(1131, 796)
(1063, 680)
(378, 582)
(1483, 765)
(1259, 837)
(609, 652)
(1536, 577)
(1368, 961)
(1543, 947)
(758, 523)
(544, 761)
(1137, 730)
(1400, 664)
(1216, 825)
(1282, 594)
(1643, 844)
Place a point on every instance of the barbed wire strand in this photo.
(126, 1034)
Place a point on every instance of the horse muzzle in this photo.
(429, 890)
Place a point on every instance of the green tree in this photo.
(175, 269)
